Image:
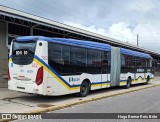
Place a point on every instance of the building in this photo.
(14, 23)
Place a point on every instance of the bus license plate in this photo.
(21, 77)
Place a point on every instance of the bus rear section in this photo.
(26, 72)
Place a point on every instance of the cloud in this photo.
(119, 19)
(123, 32)
(148, 34)
(119, 31)
(91, 28)
(142, 5)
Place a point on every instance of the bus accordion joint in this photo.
(39, 77)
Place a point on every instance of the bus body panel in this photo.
(105, 78)
(41, 58)
(135, 77)
(23, 76)
(59, 87)
(124, 77)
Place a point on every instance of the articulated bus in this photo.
(59, 66)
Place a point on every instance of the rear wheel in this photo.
(128, 83)
(84, 90)
(147, 80)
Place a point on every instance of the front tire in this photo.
(84, 89)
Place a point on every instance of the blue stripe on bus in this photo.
(10, 57)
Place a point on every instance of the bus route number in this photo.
(21, 52)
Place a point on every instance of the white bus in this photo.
(58, 66)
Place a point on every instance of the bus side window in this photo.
(66, 67)
(152, 64)
(138, 62)
(66, 54)
(94, 61)
(55, 56)
(144, 63)
(124, 63)
(122, 60)
(105, 61)
(78, 60)
(56, 53)
(131, 62)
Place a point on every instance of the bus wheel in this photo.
(128, 83)
(148, 79)
(84, 90)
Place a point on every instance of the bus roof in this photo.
(135, 53)
(83, 43)
(73, 42)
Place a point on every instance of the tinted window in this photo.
(94, 58)
(138, 62)
(143, 63)
(55, 53)
(66, 68)
(131, 62)
(59, 58)
(94, 61)
(78, 56)
(66, 54)
(23, 52)
(78, 60)
(149, 63)
(105, 61)
(69, 60)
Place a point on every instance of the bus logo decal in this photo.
(140, 70)
(71, 79)
(29, 71)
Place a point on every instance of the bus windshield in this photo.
(23, 52)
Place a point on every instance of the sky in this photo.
(119, 19)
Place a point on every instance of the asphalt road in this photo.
(143, 101)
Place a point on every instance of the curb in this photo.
(58, 107)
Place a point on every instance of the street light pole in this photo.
(137, 40)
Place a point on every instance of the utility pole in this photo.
(137, 40)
